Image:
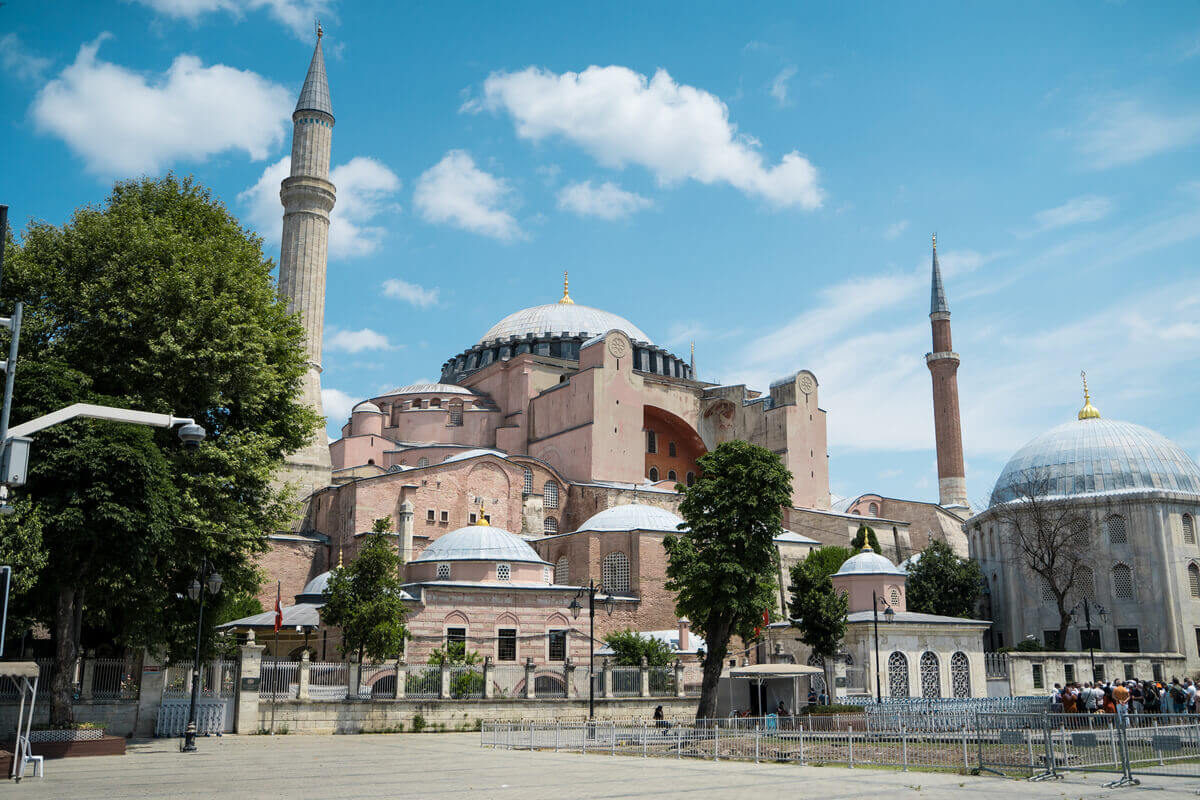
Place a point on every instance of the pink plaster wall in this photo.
(858, 589)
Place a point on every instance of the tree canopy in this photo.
(363, 599)
(942, 583)
(817, 611)
(630, 647)
(160, 301)
(724, 570)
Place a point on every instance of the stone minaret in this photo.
(308, 197)
(943, 364)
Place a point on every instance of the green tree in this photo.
(816, 609)
(21, 548)
(160, 301)
(864, 535)
(630, 647)
(942, 583)
(363, 599)
(723, 570)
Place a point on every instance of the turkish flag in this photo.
(278, 609)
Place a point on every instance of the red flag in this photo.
(278, 609)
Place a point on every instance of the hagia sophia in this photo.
(548, 455)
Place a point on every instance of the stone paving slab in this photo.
(444, 766)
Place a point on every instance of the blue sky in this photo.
(760, 179)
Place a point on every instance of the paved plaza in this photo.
(455, 766)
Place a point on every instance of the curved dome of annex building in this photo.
(479, 543)
(428, 388)
(868, 562)
(633, 517)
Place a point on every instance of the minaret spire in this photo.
(947, 425)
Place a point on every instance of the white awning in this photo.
(18, 669)
(299, 614)
(774, 671)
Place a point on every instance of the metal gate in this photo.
(215, 702)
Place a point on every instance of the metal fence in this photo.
(116, 679)
(466, 682)
(328, 680)
(916, 714)
(423, 683)
(217, 679)
(626, 681)
(377, 681)
(279, 679)
(662, 681)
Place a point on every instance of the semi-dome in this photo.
(557, 318)
(633, 517)
(314, 590)
(366, 406)
(868, 562)
(1093, 456)
(428, 388)
(479, 543)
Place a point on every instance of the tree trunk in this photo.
(67, 614)
(1064, 622)
(713, 660)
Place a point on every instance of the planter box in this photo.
(105, 746)
(84, 735)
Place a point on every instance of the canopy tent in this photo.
(299, 614)
(25, 675)
(759, 688)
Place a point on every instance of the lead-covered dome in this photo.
(557, 318)
(1092, 456)
(868, 562)
(479, 543)
(633, 517)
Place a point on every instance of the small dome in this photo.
(464, 455)
(314, 589)
(479, 543)
(366, 406)
(633, 517)
(555, 318)
(428, 388)
(868, 562)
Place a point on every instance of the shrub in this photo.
(418, 723)
(831, 709)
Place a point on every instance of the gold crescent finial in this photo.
(1088, 411)
(566, 298)
(482, 519)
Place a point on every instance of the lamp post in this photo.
(212, 582)
(591, 589)
(306, 630)
(888, 615)
(1087, 617)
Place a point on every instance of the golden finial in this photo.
(339, 557)
(1088, 411)
(566, 298)
(482, 519)
(320, 31)
(935, 240)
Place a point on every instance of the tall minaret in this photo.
(943, 364)
(308, 197)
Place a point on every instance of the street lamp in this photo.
(212, 582)
(305, 629)
(1088, 607)
(888, 615)
(609, 603)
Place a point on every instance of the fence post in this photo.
(489, 691)
(966, 765)
(645, 736)
(757, 739)
(304, 676)
(557, 730)
(401, 681)
(851, 747)
(716, 743)
(87, 679)
(569, 679)
(801, 743)
(644, 675)
(353, 677)
(679, 692)
(444, 688)
(605, 678)
(904, 745)
(613, 750)
(250, 679)
(529, 679)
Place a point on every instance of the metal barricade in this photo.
(1015, 745)
(1163, 744)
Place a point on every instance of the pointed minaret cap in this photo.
(566, 298)
(315, 94)
(937, 300)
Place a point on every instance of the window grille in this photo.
(546, 574)
(456, 415)
(422, 462)
(1079, 530)
(1122, 577)
(562, 571)
(818, 680)
(528, 487)
(1116, 529)
(1189, 530)
(558, 645)
(671, 449)
(898, 675)
(960, 675)
(550, 495)
(651, 442)
(443, 572)
(429, 515)
(616, 572)
(873, 509)
(1089, 639)
(456, 637)
(1085, 583)
(506, 644)
(895, 597)
(445, 516)
(931, 675)
(1038, 681)
(550, 526)
(1047, 592)
(503, 572)
(654, 473)
(1069, 673)
(1194, 580)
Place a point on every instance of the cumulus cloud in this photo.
(779, 86)
(122, 122)
(1126, 131)
(410, 293)
(677, 132)
(607, 201)
(16, 59)
(1089, 208)
(356, 341)
(336, 404)
(364, 188)
(296, 15)
(456, 192)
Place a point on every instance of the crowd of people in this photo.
(1125, 697)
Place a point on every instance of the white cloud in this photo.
(18, 60)
(124, 122)
(779, 86)
(456, 192)
(336, 404)
(296, 15)
(1089, 208)
(364, 187)
(1125, 131)
(677, 132)
(356, 341)
(410, 292)
(607, 201)
(894, 230)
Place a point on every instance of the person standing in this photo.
(1120, 699)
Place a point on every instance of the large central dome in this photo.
(558, 318)
(1092, 456)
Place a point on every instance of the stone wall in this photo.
(1141, 666)
(119, 719)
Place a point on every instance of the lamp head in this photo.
(575, 608)
(194, 589)
(889, 614)
(609, 605)
(214, 582)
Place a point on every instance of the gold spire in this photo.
(1088, 411)
(482, 519)
(339, 557)
(566, 298)
(935, 241)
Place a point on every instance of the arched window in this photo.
(960, 675)
(550, 526)
(691, 478)
(1115, 525)
(897, 675)
(873, 509)
(616, 572)
(422, 462)
(1080, 529)
(550, 495)
(1122, 577)
(1189, 529)
(562, 570)
(435, 403)
(456, 411)
(651, 442)
(528, 487)
(654, 473)
(894, 597)
(1194, 580)
(1085, 583)
(671, 476)
(931, 675)
(817, 681)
